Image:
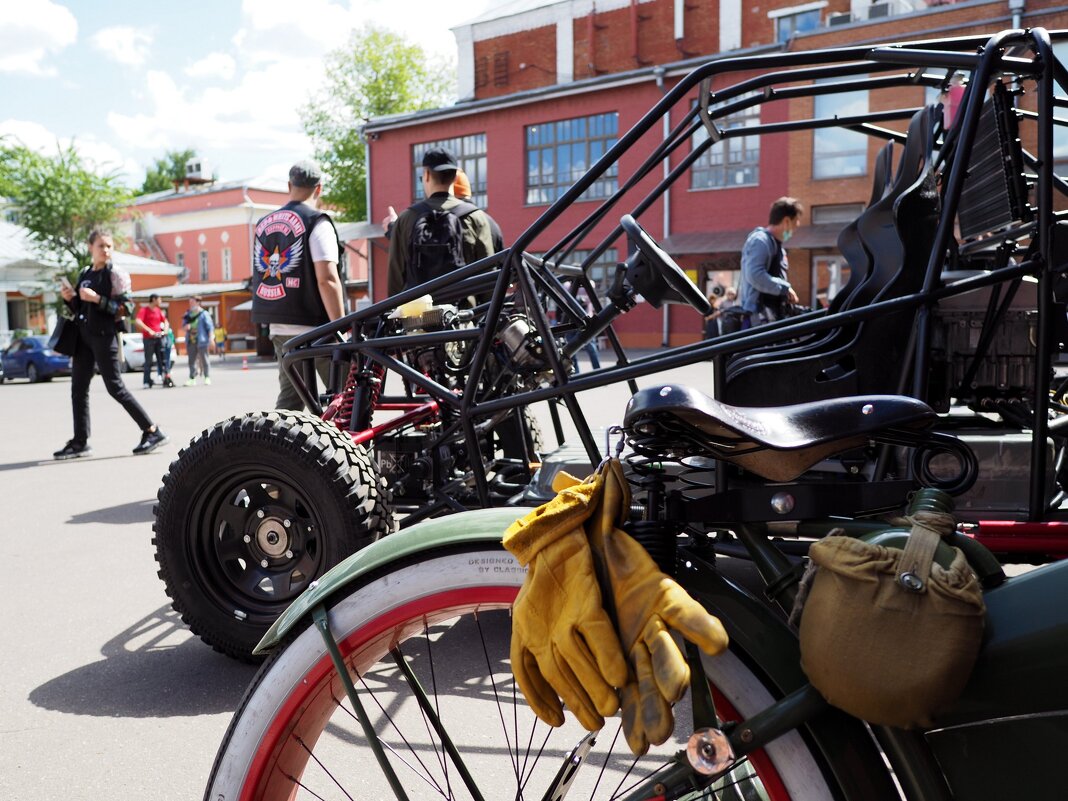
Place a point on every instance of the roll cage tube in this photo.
(519, 279)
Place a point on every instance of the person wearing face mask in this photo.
(765, 289)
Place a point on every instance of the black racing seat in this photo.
(777, 443)
(867, 357)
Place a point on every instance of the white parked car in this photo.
(133, 352)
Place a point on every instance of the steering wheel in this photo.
(664, 265)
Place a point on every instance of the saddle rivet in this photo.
(867, 408)
(665, 391)
(782, 502)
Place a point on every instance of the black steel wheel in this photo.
(252, 511)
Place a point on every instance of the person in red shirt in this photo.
(152, 321)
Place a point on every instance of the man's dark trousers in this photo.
(102, 350)
(153, 350)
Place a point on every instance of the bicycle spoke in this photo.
(437, 706)
(324, 769)
(504, 726)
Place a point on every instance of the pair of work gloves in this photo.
(599, 652)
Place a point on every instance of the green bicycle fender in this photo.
(481, 525)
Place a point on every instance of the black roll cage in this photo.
(513, 276)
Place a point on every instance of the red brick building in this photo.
(546, 87)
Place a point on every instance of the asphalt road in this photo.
(104, 693)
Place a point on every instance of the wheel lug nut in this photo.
(263, 563)
(247, 538)
(287, 523)
(289, 554)
(259, 514)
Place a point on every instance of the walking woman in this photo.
(99, 303)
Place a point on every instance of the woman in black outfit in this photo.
(99, 302)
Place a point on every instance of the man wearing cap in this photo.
(439, 173)
(296, 285)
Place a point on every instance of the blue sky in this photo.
(129, 80)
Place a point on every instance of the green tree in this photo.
(166, 170)
(59, 200)
(377, 73)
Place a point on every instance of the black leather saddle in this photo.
(777, 443)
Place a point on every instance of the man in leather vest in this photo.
(296, 285)
(439, 173)
(765, 287)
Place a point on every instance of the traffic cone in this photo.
(244, 362)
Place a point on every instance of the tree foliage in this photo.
(166, 170)
(59, 199)
(376, 73)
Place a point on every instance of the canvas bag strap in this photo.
(914, 566)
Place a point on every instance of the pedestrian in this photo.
(727, 314)
(199, 340)
(296, 285)
(765, 290)
(152, 321)
(165, 365)
(590, 348)
(220, 342)
(461, 188)
(438, 234)
(100, 303)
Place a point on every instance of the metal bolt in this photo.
(263, 563)
(247, 538)
(272, 538)
(782, 503)
(867, 408)
(664, 392)
(259, 514)
(287, 523)
(289, 554)
(747, 735)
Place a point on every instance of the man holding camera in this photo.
(765, 290)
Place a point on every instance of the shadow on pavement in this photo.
(45, 462)
(133, 512)
(152, 669)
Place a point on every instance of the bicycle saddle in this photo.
(777, 443)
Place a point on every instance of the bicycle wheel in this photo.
(447, 617)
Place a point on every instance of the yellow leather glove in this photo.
(563, 643)
(647, 603)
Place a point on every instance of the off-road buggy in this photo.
(955, 296)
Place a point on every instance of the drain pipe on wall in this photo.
(1017, 9)
(659, 73)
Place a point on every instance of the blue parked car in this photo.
(30, 357)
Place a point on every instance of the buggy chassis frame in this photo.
(517, 280)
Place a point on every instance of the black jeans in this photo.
(102, 351)
(153, 350)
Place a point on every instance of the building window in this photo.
(602, 271)
(729, 162)
(789, 25)
(836, 152)
(1060, 132)
(559, 153)
(843, 213)
(179, 259)
(829, 275)
(470, 151)
(203, 265)
(481, 72)
(500, 68)
(228, 265)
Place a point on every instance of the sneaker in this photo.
(168, 382)
(72, 450)
(149, 385)
(207, 382)
(150, 440)
(192, 382)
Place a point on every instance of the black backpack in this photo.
(436, 245)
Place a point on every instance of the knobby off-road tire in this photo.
(446, 616)
(252, 511)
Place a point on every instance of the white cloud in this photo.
(213, 65)
(99, 156)
(30, 30)
(124, 44)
